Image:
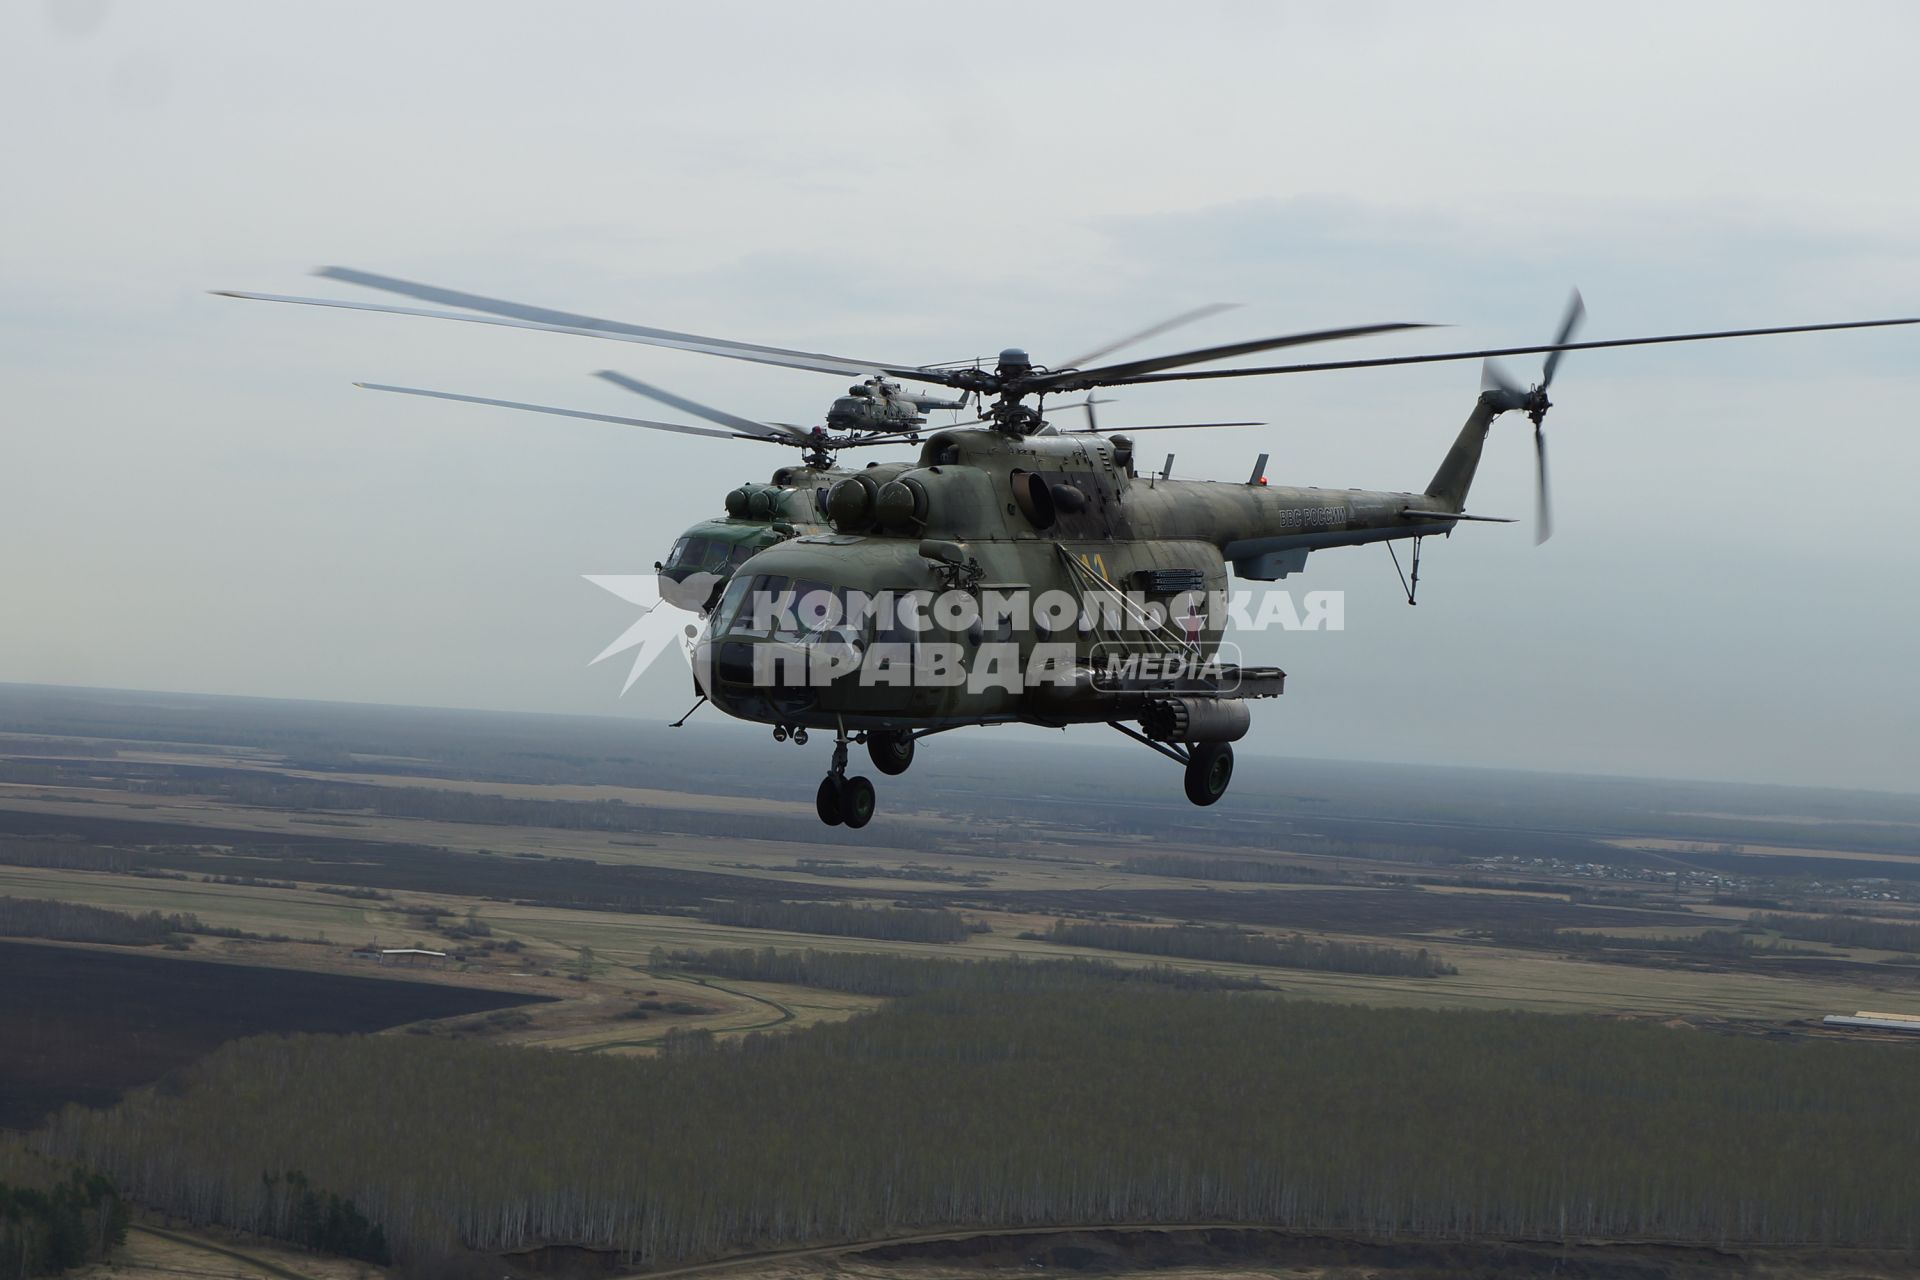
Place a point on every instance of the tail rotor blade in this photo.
(1495, 378)
(1576, 313)
(1543, 504)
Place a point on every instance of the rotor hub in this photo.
(1536, 406)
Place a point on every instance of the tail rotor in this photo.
(1499, 389)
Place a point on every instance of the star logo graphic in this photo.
(661, 627)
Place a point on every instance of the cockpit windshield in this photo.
(693, 553)
(778, 607)
(730, 604)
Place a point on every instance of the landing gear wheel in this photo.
(891, 751)
(1209, 770)
(856, 802)
(826, 802)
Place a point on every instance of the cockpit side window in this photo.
(688, 553)
(730, 603)
(771, 604)
(766, 604)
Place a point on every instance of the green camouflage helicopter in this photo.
(1013, 572)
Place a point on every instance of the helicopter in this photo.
(880, 404)
(913, 614)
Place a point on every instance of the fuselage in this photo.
(992, 515)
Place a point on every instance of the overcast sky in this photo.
(194, 497)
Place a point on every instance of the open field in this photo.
(559, 835)
(166, 1253)
(1489, 976)
(296, 913)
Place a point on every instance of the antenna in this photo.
(1166, 472)
(1259, 475)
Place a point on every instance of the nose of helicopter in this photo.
(689, 589)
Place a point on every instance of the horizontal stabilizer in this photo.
(1412, 514)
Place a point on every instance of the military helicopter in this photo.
(1009, 506)
(880, 404)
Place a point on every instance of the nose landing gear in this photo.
(843, 800)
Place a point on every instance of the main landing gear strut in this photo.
(844, 801)
(1209, 765)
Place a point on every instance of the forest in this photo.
(53, 1219)
(1843, 931)
(1237, 946)
(1724, 943)
(75, 922)
(1094, 1103)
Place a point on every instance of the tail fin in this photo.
(1455, 476)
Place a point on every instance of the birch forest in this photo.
(1095, 1103)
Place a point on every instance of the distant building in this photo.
(1868, 1021)
(402, 956)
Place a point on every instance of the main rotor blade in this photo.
(1383, 361)
(1154, 426)
(571, 320)
(569, 413)
(745, 426)
(516, 316)
(843, 368)
(1576, 312)
(1131, 371)
(1151, 331)
(864, 441)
